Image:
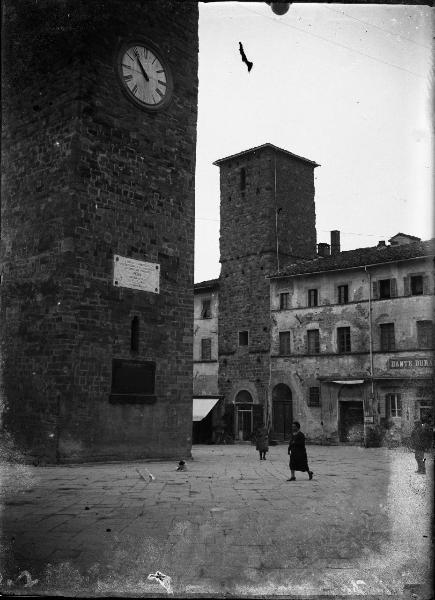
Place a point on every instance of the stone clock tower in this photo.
(97, 227)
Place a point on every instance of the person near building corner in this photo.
(421, 440)
(262, 441)
(298, 453)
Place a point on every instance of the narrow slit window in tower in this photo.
(135, 334)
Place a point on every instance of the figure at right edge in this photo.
(421, 441)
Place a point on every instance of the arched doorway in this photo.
(244, 415)
(282, 412)
(351, 414)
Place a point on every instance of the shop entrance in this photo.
(249, 416)
(282, 413)
(244, 422)
(244, 425)
(351, 424)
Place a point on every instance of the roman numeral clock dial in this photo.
(144, 75)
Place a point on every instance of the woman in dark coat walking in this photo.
(298, 454)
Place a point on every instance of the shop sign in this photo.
(409, 363)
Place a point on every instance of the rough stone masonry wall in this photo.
(244, 305)
(88, 175)
(248, 254)
(296, 226)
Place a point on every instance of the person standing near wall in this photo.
(421, 440)
(298, 453)
(262, 442)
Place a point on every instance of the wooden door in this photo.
(282, 419)
(282, 412)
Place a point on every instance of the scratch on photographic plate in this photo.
(163, 579)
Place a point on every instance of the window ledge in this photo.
(206, 360)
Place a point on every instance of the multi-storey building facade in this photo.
(351, 352)
(206, 406)
(205, 338)
(352, 341)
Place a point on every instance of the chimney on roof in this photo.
(382, 244)
(335, 242)
(323, 250)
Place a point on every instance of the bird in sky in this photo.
(248, 63)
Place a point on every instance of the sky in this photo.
(347, 86)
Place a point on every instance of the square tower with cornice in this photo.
(267, 221)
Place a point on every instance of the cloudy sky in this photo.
(347, 86)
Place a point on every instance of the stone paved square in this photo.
(229, 525)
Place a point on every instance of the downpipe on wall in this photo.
(372, 390)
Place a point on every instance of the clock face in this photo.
(144, 76)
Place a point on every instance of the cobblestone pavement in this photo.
(231, 524)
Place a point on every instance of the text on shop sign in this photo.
(409, 363)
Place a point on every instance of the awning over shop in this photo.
(350, 382)
(202, 406)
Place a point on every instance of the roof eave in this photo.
(348, 268)
(262, 147)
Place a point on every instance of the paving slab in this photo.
(228, 525)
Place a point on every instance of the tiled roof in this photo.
(267, 145)
(211, 283)
(358, 258)
(406, 235)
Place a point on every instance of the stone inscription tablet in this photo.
(136, 274)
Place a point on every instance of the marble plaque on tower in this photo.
(136, 274)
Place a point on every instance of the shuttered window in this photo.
(416, 285)
(206, 309)
(313, 297)
(313, 341)
(425, 334)
(284, 342)
(284, 301)
(343, 339)
(375, 290)
(394, 405)
(387, 288)
(343, 294)
(388, 341)
(425, 403)
(314, 396)
(206, 349)
(382, 406)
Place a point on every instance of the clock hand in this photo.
(143, 70)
